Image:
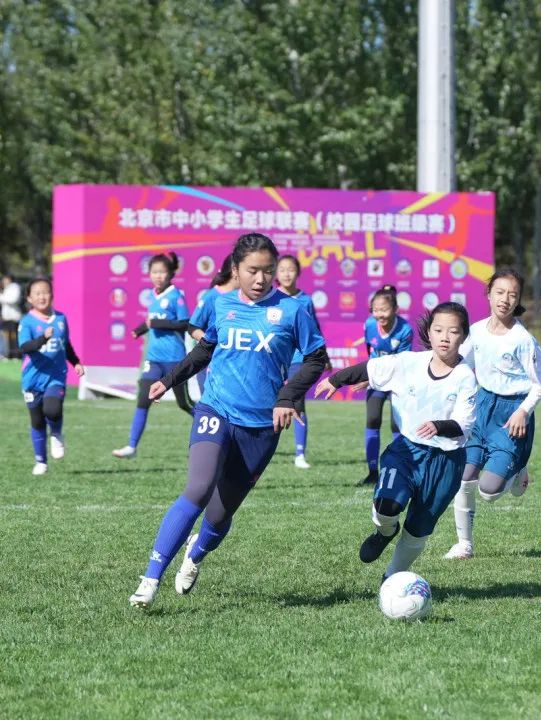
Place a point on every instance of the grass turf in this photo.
(284, 621)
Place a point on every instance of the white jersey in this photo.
(507, 364)
(418, 397)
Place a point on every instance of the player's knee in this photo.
(387, 506)
(490, 496)
(143, 401)
(52, 408)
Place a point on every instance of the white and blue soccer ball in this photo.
(405, 596)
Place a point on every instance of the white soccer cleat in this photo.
(520, 484)
(188, 572)
(57, 447)
(460, 551)
(126, 452)
(145, 594)
(301, 463)
(40, 468)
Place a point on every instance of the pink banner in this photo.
(432, 247)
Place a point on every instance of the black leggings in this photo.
(51, 409)
(180, 391)
(374, 412)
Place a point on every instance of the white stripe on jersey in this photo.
(417, 398)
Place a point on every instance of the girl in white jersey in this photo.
(507, 363)
(433, 397)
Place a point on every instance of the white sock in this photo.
(386, 524)
(464, 507)
(406, 551)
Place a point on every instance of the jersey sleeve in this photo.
(307, 335)
(24, 332)
(182, 312)
(203, 314)
(530, 357)
(466, 350)
(383, 372)
(211, 334)
(464, 411)
(406, 339)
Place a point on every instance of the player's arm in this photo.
(406, 342)
(27, 343)
(140, 330)
(195, 360)
(532, 365)
(462, 417)
(165, 324)
(310, 370)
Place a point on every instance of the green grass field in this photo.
(284, 621)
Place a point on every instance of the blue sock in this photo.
(395, 435)
(55, 426)
(174, 530)
(208, 539)
(371, 444)
(137, 426)
(301, 434)
(39, 442)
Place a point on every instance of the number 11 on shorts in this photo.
(390, 481)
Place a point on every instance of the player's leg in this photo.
(151, 373)
(38, 431)
(464, 512)
(300, 431)
(374, 413)
(394, 427)
(250, 452)
(53, 409)
(209, 443)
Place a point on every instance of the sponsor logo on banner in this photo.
(347, 301)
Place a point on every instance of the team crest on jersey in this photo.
(274, 315)
(230, 315)
(60, 325)
(395, 343)
(164, 303)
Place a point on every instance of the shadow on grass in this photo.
(339, 596)
(488, 592)
(133, 469)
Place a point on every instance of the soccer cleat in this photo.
(57, 447)
(371, 479)
(301, 463)
(521, 482)
(375, 544)
(188, 572)
(126, 452)
(460, 551)
(40, 468)
(145, 594)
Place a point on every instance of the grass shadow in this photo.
(527, 590)
(338, 596)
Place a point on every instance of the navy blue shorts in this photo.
(425, 477)
(377, 394)
(490, 446)
(248, 449)
(34, 399)
(156, 370)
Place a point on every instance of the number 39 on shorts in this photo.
(208, 425)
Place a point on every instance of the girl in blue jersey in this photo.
(507, 363)
(386, 333)
(433, 395)
(244, 407)
(166, 322)
(287, 273)
(45, 345)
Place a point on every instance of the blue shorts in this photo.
(34, 399)
(490, 446)
(370, 392)
(153, 370)
(425, 477)
(248, 449)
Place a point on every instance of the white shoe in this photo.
(126, 452)
(57, 447)
(301, 463)
(520, 484)
(145, 594)
(40, 468)
(188, 571)
(460, 551)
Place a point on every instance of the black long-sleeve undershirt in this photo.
(310, 370)
(158, 324)
(37, 343)
(195, 360)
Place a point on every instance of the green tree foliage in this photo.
(300, 92)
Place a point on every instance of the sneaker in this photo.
(57, 447)
(126, 452)
(371, 479)
(375, 544)
(301, 463)
(188, 572)
(460, 551)
(145, 594)
(40, 468)
(521, 482)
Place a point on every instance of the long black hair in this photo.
(424, 323)
(225, 273)
(509, 272)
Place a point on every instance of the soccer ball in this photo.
(405, 596)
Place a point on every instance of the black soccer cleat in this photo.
(375, 544)
(371, 479)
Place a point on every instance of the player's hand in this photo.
(157, 390)
(427, 430)
(147, 322)
(282, 417)
(324, 386)
(79, 370)
(517, 423)
(360, 386)
(48, 332)
(134, 334)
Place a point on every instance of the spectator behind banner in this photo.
(10, 299)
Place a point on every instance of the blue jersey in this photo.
(46, 366)
(167, 345)
(306, 302)
(203, 315)
(255, 342)
(397, 340)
